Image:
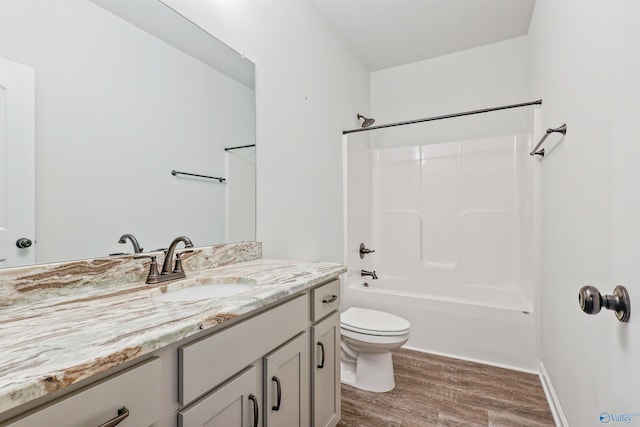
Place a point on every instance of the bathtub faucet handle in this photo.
(364, 250)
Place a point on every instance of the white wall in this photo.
(583, 61)
(485, 76)
(309, 88)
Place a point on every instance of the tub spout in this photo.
(369, 273)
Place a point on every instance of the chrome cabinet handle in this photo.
(329, 300)
(122, 414)
(253, 399)
(321, 365)
(276, 407)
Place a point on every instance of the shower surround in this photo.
(453, 227)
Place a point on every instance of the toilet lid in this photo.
(373, 322)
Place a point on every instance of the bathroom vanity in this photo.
(118, 354)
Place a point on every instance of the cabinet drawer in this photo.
(326, 298)
(137, 389)
(208, 362)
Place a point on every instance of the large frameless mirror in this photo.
(125, 93)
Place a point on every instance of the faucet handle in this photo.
(363, 250)
(178, 266)
(153, 275)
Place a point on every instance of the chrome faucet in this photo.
(369, 273)
(169, 273)
(136, 246)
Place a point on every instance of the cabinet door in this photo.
(326, 371)
(234, 404)
(287, 384)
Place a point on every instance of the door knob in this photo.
(23, 243)
(591, 301)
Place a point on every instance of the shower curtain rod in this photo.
(446, 116)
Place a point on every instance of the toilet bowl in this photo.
(367, 339)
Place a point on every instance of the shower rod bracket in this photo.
(560, 129)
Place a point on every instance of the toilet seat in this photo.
(372, 322)
(354, 337)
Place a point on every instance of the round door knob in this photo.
(591, 301)
(23, 243)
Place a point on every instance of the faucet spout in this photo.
(136, 246)
(372, 274)
(168, 259)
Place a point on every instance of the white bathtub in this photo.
(478, 323)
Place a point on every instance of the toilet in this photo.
(367, 339)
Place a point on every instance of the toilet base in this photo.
(371, 372)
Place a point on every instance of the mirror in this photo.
(126, 92)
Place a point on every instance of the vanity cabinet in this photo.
(325, 360)
(277, 373)
(132, 395)
(276, 367)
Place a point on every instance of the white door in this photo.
(17, 216)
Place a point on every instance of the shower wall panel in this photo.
(449, 215)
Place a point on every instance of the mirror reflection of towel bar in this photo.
(176, 173)
(561, 129)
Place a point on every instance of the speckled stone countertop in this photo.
(49, 343)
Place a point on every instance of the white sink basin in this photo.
(209, 291)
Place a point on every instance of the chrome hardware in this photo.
(321, 365)
(369, 273)
(23, 243)
(591, 301)
(136, 246)
(364, 250)
(253, 399)
(329, 300)
(122, 414)
(560, 129)
(276, 407)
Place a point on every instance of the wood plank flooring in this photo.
(439, 391)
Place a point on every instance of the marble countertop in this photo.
(52, 343)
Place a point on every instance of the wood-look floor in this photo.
(440, 391)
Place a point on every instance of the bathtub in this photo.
(484, 324)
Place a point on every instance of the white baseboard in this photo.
(552, 398)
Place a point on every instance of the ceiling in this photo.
(388, 33)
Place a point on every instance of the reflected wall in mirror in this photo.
(123, 97)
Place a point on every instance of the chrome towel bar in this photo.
(561, 129)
